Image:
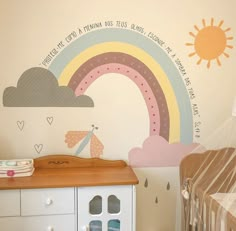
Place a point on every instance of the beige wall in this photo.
(31, 29)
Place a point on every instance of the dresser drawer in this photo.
(9, 203)
(39, 223)
(10, 224)
(49, 223)
(47, 201)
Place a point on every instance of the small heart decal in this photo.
(38, 148)
(50, 120)
(20, 124)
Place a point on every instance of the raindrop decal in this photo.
(156, 200)
(168, 186)
(146, 183)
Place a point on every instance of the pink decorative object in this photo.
(157, 152)
(10, 173)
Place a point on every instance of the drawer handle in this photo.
(50, 228)
(49, 201)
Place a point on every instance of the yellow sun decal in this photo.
(210, 42)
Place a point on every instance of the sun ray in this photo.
(189, 44)
(218, 61)
(226, 55)
(192, 34)
(228, 29)
(221, 23)
(196, 28)
(203, 22)
(229, 46)
(212, 21)
(199, 61)
(209, 64)
(229, 38)
(192, 54)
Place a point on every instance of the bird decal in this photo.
(83, 138)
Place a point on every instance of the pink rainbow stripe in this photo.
(135, 77)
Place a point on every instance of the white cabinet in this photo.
(9, 203)
(11, 223)
(38, 223)
(106, 208)
(38, 210)
(53, 201)
(48, 223)
(68, 193)
(95, 208)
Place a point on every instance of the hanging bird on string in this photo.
(83, 138)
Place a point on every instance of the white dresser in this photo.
(68, 193)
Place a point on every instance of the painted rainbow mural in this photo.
(114, 50)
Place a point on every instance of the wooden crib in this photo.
(208, 182)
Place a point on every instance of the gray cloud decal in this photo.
(38, 87)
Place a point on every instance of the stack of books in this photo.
(16, 168)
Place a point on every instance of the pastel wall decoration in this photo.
(168, 186)
(20, 124)
(38, 87)
(156, 200)
(210, 42)
(139, 58)
(145, 62)
(38, 148)
(50, 120)
(146, 183)
(156, 151)
(83, 138)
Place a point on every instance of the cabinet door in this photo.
(105, 208)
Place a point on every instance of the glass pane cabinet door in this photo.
(105, 208)
(95, 225)
(113, 204)
(114, 225)
(95, 205)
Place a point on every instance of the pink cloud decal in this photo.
(157, 152)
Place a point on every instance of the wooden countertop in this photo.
(58, 171)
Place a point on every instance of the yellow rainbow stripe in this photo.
(74, 64)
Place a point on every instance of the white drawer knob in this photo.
(49, 201)
(50, 228)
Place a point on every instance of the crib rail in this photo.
(201, 209)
